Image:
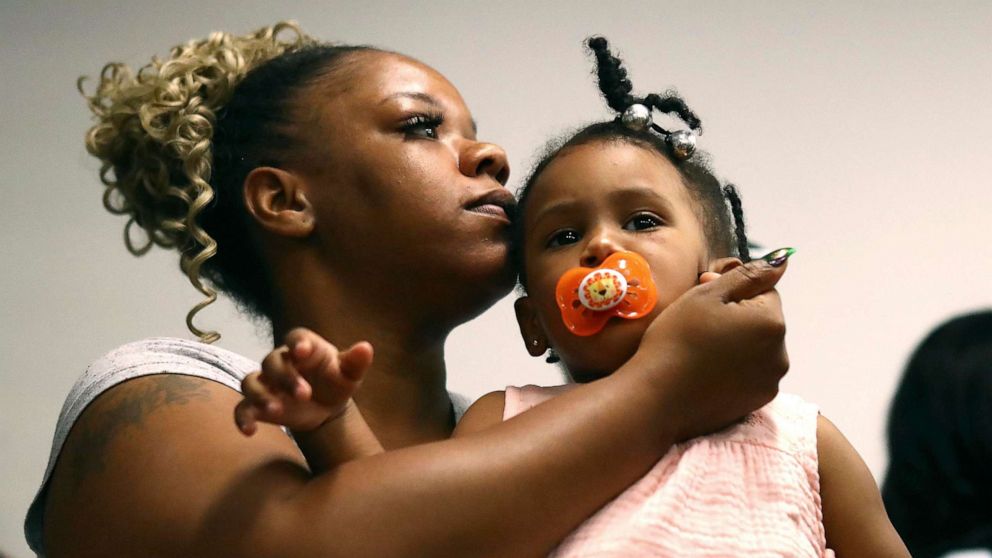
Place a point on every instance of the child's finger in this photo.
(313, 355)
(301, 342)
(244, 417)
(356, 360)
(279, 374)
(259, 396)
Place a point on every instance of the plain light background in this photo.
(858, 133)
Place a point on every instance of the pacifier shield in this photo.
(621, 287)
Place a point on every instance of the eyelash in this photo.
(557, 237)
(423, 122)
(655, 221)
(552, 242)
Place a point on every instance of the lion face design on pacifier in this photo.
(621, 287)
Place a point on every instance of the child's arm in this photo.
(853, 514)
(306, 385)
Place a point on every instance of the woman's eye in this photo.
(423, 125)
(563, 238)
(642, 222)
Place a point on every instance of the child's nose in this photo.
(600, 246)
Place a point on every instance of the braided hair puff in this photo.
(719, 206)
(177, 138)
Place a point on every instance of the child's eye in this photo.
(643, 221)
(563, 238)
(423, 125)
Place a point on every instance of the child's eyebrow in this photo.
(633, 193)
(562, 206)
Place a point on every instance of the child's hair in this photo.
(724, 231)
(938, 488)
(177, 138)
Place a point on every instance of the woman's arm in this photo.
(853, 514)
(154, 467)
(482, 415)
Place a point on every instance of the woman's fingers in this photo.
(748, 280)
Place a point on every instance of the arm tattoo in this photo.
(125, 409)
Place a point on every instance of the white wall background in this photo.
(859, 133)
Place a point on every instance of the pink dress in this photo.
(750, 490)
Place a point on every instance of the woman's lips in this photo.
(491, 209)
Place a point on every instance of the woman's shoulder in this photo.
(162, 357)
(159, 351)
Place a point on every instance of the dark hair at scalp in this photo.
(252, 130)
(938, 487)
(724, 232)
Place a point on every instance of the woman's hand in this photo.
(721, 349)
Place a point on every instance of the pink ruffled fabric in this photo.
(750, 490)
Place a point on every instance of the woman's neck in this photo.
(403, 397)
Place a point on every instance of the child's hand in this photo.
(303, 384)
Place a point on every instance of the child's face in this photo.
(591, 201)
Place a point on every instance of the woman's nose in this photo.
(479, 158)
(600, 246)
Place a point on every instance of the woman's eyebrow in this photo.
(423, 97)
(420, 96)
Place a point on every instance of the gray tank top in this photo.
(162, 355)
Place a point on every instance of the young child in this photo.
(784, 482)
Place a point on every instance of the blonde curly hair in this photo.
(153, 135)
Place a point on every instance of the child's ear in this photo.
(717, 268)
(275, 198)
(530, 327)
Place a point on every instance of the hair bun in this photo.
(153, 136)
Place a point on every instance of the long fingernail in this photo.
(775, 258)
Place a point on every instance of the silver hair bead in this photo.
(683, 143)
(636, 117)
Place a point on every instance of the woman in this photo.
(343, 189)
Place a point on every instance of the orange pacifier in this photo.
(620, 287)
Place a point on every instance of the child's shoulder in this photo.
(523, 398)
(497, 406)
(788, 423)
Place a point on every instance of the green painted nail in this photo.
(778, 257)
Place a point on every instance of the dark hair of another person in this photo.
(938, 489)
(724, 230)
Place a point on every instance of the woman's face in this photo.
(409, 204)
(594, 200)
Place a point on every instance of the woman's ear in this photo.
(530, 327)
(276, 200)
(717, 268)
